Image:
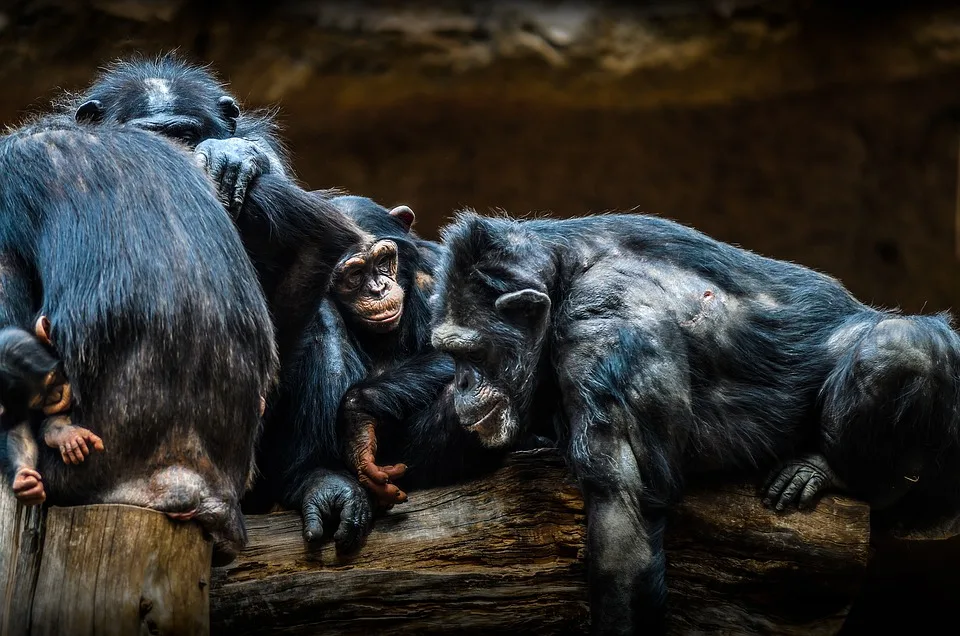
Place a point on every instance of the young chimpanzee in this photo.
(185, 102)
(659, 352)
(370, 340)
(116, 240)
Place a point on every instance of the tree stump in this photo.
(506, 554)
(102, 569)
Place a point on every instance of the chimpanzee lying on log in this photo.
(658, 352)
(152, 307)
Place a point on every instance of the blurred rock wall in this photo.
(824, 133)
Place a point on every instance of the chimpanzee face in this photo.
(494, 328)
(366, 286)
(183, 104)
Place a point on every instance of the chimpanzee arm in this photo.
(393, 396)
(303, 455)
(627, 404)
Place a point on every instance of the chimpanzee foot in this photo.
(28, 487)
(799, 483)
(337, 499)
(362, 446)
(73, 442)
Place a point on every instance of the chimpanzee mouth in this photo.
(387, 319)
(489, 426)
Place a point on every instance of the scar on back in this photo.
(706, 301)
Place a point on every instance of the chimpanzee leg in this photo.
(392, 396)
(628, 411)
(886, 406)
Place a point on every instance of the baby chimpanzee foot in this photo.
(73, 442)
(799, 483)
(361, 439)
(28, 487)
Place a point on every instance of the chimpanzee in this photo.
(370, 339)
(659, 352)
(187, 103)
(150, 304)
(293, 237)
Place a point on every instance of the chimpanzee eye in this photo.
(384, 266)
(354, 279)
(475, 357)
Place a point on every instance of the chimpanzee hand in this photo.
(28, 487)
(799, 483)
(337, 498)
(233, 164)
(361, 447)
(28, 372)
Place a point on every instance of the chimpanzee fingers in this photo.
(312, 520)
(33, 496)
(394, 472)
(356, 518)
(782, 477)
(96, 441)
(387, 494)
(249, 170)
(373, 472)
(811, 492)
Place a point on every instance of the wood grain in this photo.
(506, 553)
(111, 569)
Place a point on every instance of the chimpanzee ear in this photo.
(230, 111)
(90, 112)
(405, 215)
(529, 305)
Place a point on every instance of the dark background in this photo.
(825, 133)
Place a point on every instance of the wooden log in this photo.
(506, 554)
(21, 538)
(104, 569)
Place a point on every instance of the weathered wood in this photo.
(106, 569)
(506, 554)
(21, 538)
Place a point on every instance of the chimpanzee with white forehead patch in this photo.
(185, 102)
(659, 352)
(293, 237)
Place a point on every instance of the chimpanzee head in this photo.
(492, 315)
(367, 282)
(167, 96)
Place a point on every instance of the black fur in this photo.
(184, 101)
(659, 353)
(155, 312)
(394, 377)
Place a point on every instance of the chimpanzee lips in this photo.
(489, 425)
(386, 319)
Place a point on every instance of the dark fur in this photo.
(394, 377)
(123, 88)
(156, 314)
(650, 379)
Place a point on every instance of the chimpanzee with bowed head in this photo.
(659, 352)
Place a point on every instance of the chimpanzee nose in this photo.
(466, 378)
